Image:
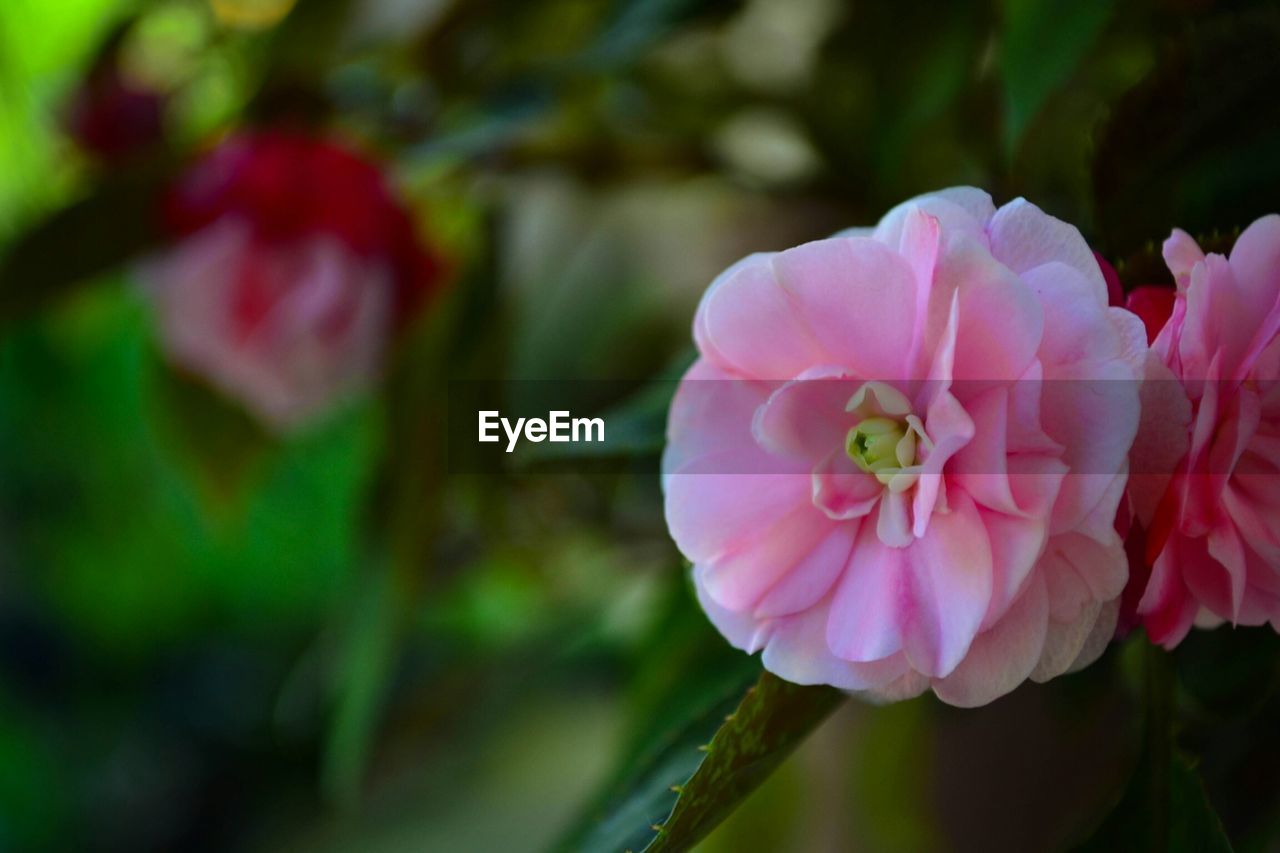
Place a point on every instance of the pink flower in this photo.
(293, 266)
(1208, 493)
(897, 462)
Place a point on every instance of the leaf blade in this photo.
(772, 719)
(1044, 42)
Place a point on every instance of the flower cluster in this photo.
(902, 460)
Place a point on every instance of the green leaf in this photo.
(772, 719)
(1230, 672)
(705, 768)
(1193, 826)
(42, 49)
(1043, 44)
(367, 661)
(688, 680)
(1165, 807)
(216, 441)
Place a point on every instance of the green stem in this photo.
(1159, 702)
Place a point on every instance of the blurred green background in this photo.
(212, 639)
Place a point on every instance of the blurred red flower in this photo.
(293, 265)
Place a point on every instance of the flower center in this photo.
(887, 440)
(880, 443)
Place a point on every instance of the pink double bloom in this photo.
(1208, 500)
(897, 462)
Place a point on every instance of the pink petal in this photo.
(809, 582)
(1025, 432)
(1255, 261)
(980, 467)
(748, 324)
(711, 513)
(950, 428)
(1167, 607)
(920, 243)
(842, 490)
(1081, 570)
(942, 364)
(739, 578)
(950, 572)
(1024, 237)
(1065, 642)
(1219, 324)
(1258, 523)
(893, 526)
(859, 299)
(1255, 266)
(797, 651)
(316, 332)
(1079, 328)
(1092, 410)
(1003, 656)
(1226, 548)
(1016, 545)
(1069, 593)
(1035, 481)
(907, 686)
(805, 417)
(958, 209)
(1162, 439)
(1103, 632)
(1000, 318)
(742, 630)
(865, 623)
(1181, 254)
(711, 413)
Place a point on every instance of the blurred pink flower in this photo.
(1208, 495)
(897, 462)
(292, 266)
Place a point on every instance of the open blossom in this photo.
(291, 267)
(897, 461)
(1208, 491)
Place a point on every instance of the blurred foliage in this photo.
(1191, 144)
(1192, 824)
(1043, 44)
(214, 639)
